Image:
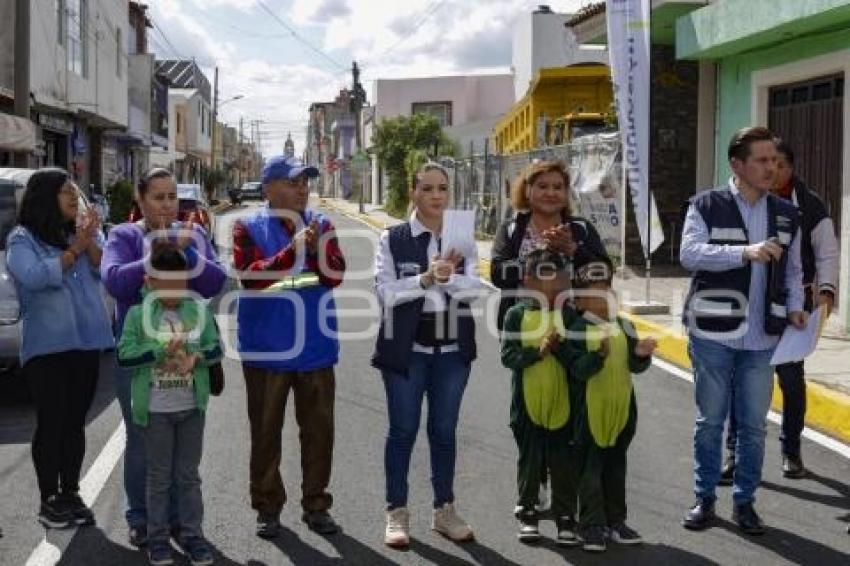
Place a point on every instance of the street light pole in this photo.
(356, 105)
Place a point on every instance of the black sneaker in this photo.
(268, 526)
(727, 473)
(198, 550)
(83, 516)
(748, 520)
(54, 514)
(621, 533)
(567, 535)
(792, 467)
(529, 531)
(593, 539)
(138, 536)
(320, 522)
(159, 553)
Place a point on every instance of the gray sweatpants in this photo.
(174, 443)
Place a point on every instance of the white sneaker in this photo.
(447, 522)
(397, 533)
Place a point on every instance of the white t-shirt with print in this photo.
(171, 392)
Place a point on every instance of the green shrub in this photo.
(120, 198)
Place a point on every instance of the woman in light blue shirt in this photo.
(54, 257)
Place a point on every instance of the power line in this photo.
(428, 12)
(297, 36)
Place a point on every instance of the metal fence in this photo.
(482, 183)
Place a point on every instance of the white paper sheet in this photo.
(797, 344)
(458, 232)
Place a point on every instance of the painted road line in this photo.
(49, 552)
(817, 437)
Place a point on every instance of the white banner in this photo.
(597, 184)
(629, 48)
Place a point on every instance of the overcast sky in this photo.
(279, 76)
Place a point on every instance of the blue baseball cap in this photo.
(282, 167)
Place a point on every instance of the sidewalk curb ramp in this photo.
(826, 410)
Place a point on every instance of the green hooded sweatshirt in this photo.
(603, 386)
(139, 350)
(540, 383)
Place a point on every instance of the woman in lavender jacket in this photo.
(122, 272)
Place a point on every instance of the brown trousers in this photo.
(267, 393)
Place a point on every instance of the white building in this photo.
(189, 119)
(78, 81)
(189, 133)
(467, 106)
(542, 41)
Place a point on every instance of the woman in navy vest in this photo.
(426, 346)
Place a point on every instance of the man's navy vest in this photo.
(713, 299)
(410, 256)
(285, 321)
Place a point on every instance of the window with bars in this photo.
(77, 21)
(441, 110)
(118, 46)
(61, 16)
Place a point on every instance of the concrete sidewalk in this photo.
(827, 370)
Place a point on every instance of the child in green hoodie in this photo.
(170, 340)
(534, 349)
(603, 352)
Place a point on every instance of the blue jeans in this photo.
(720, 372)
(792, 382)
(135, 458)
(443, 378)
(134, 454)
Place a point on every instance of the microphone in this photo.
(777, 241)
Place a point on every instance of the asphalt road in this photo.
(806, 518)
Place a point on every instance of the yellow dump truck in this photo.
(561, 104)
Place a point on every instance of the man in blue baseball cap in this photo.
(287, 339)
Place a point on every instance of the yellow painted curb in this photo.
(826, 410)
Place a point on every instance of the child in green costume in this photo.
(602, 352)
(534, 349)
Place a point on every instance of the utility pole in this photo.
(358, 97)
(214, 124)
(215, 118)
(241, 148)
(22, 69)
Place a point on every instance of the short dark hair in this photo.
(167, 256)
(592, 272)
(40, 212)
(150, 175)
(739, 145)
(784, 148)
(543, 261)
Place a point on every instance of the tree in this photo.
(211, 179)
(120, 199)
(396, 139)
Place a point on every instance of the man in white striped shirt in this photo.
(743, 246)
(819, 255)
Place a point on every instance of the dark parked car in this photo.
(192, 206)
(252, 189)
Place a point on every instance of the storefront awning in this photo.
(16, 133)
